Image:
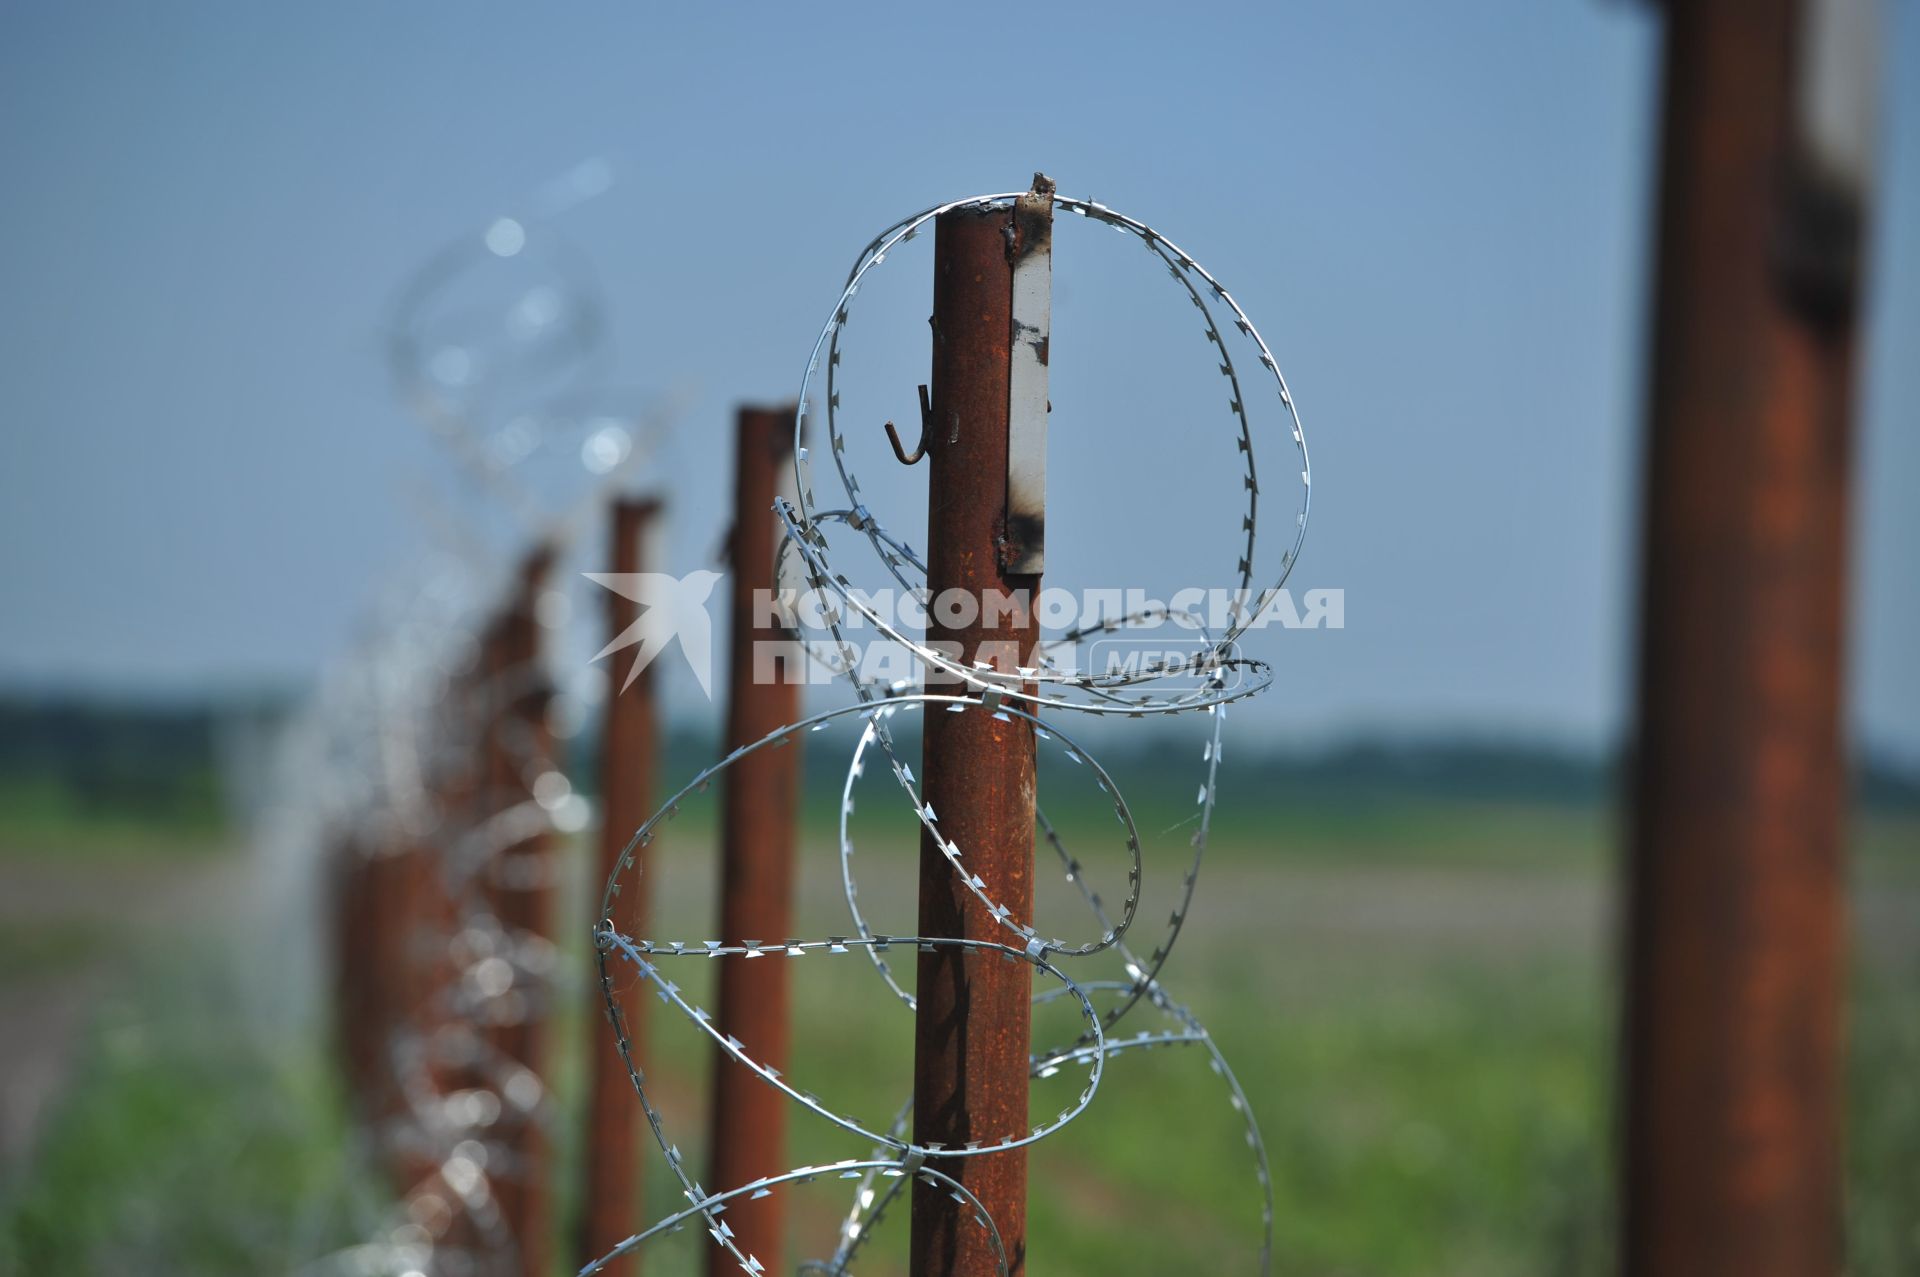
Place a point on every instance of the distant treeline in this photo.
(77, 757)
(1376, 769)
(71, 759)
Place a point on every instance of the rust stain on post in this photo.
(972, 1027)
(612, 1210)
(1736, 927)
(760, 798)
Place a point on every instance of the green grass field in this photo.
(1416, 996)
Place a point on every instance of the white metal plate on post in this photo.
(1027, 382)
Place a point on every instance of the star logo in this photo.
(671, 607)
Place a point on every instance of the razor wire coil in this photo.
(1058, 690)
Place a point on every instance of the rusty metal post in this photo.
(611, 1212)
(519, 747)
(353, 938)
(392, 923)
(426, 923)
(760, 796)
(973, 1022)
(1736, 929)
(376, 977)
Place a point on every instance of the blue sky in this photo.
(1437, 214)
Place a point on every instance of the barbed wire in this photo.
(1057, 689)
(449, 1104)
(444, 756)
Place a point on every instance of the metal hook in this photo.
(926, 428)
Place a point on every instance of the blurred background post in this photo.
(1737, 941)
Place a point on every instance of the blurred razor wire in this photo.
(425, 776)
